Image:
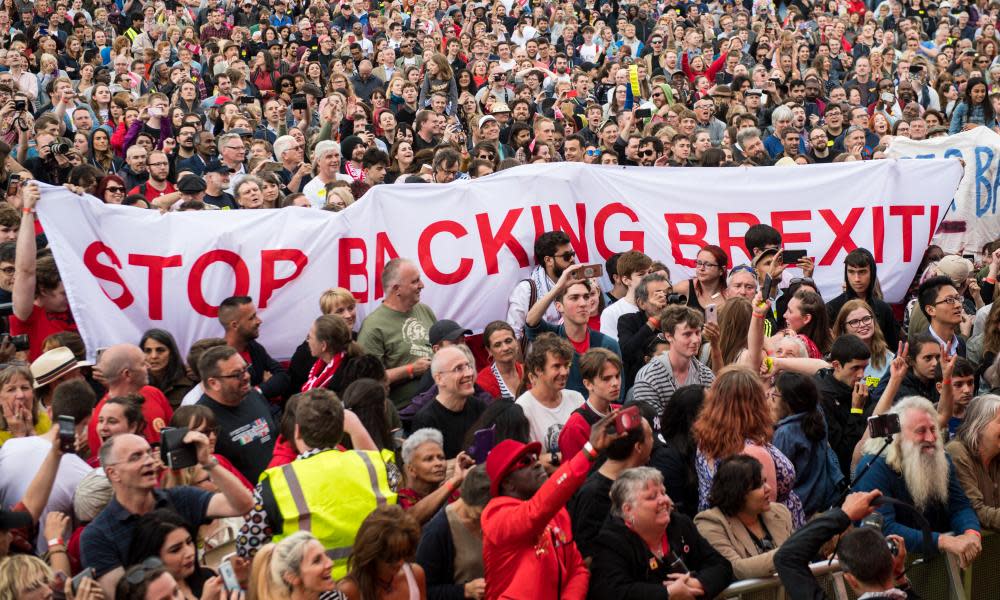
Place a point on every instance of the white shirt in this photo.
(193, 395)
(520, 297)
(546, 423)
(315, 190)
(609, 318)
(20, 460)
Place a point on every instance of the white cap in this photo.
(485, 120)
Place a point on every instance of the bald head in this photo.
(124, 368)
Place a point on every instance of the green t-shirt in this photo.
(398, 339)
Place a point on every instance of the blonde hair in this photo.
(334, 297)
(273, 562)
(8, 375)
(23, 571)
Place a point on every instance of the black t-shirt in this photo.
(246, 433)
(223, 200)
(452, 425)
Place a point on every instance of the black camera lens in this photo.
(59, 148)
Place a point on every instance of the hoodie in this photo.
(883, 312)
(844, 428)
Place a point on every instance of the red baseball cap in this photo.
(502, 460)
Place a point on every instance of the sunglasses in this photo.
(139, 572)
(647, 152)
(114, 189)
(526, 461)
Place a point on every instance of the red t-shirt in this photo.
(583, 345)
(40, 325)
(151, 192)
(156, 410)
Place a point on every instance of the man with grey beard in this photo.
(916, 470)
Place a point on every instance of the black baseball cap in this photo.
(217, 166)
(14, 519)
(446, 330)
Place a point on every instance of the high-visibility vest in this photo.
(329, 495)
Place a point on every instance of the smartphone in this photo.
(87, 573)
(767, 289)
(589, 271)
(711, 313)
(174, 452)
(792, 257)
(67, 434)
(13, 180)
(970, 257)
(247, 100)
(483, 441)
(228, 574)
(643, 113)
(882, 426)
(627, 420)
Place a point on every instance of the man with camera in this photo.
(130, 465)
(916, 470)
(874, 565)
(51, 165)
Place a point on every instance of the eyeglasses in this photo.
(647, 152)
(237, 375)
(486, 156)
(593, 152)
(135, 457)
(240, 147)
(158, 164)
(114, 189)
(568, 255)
(952, 300)
(704, 265)
(461, 369)
(855, 323)
(8, 270)
(138, 573)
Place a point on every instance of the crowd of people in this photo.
(642, 436)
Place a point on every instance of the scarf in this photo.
(504, 390)
(320, 373)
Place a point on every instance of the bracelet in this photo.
(978, 533)
(451, 486)
(27, 211)
(760, 316)
(653, 323)
(409, 370)
(591, 452)
(946, 381)
(857, 411)
(56, 541)
(990, 280)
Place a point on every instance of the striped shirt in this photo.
(655, 383)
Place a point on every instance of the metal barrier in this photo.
(938, 578)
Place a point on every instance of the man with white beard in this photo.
(916, 470)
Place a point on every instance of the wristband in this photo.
(451, 486)
(990, 280)
(409, 370)
(27, 211)
(857, 411)
(56, 541)
(654, 323)
(978, 533)
(946, 381)
(591, 453)
(758, 316)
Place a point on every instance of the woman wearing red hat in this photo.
(528, 547)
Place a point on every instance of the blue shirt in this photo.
(956, 517)
(105, 541)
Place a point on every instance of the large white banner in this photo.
(971, 221)
(127, 270)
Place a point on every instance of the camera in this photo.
(20, 105)
(876, 521)
(59, 147)
(174, 453)
(674, 298)
(20, 342)
(498, 77)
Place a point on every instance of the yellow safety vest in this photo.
(329, 495)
